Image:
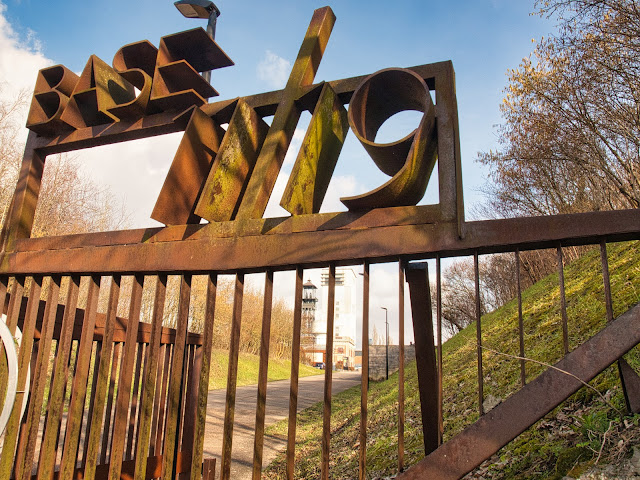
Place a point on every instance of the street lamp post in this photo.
(201, 9)
(386, 323)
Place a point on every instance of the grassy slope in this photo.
(279, 369)
(564, 442)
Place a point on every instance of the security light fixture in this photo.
(201, 9)
(197, 8)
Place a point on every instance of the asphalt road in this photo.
(311, 390)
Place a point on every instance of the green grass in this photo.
(248, 364)
(568, 440)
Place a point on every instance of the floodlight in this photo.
(201, 9)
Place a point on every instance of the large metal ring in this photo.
(409, 160)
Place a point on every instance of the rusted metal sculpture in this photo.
(227, 178)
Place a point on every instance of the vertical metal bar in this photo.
(94, 384)
(364, 381)
(47, 458)
(15, 302)
(13, 312)
(80, 381)
(126, 378)
(607, 280)
(265, 338)
(93, 441)
(149, 379)
(401, 366)
(563, 301)
(629, 379)
(191, 398)
(328, 374)
(40, 375)
(234, 347)
(295, 362)
(418, 279)
(523, 369)
(160, 421)
(107, 435)
(439, 333)
(174, 398)
(207, 347)
(24, 360)
(476, 273)
(4, 283)
(133, 415)
(19, 220)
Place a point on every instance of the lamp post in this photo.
(386, 323)
(201, 9)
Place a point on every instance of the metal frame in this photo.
(171, 401)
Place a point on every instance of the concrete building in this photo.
(345, 313)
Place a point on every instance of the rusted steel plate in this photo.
(92, 441)
(136, 63)
(317, 247)
(318, 156)
(286, 116)
(48, 447)
(80, 382)
(264, 103)
(174, 396)
(295, 366)
(232, 167)
(54, 86)
(13, 428)
(190, 167)
(19, 218)
(505, 422)
(203, 384)
(40, 378)
(149, 380)
(99, 88)
(232, 377)
(265, 336)
(410, 160)
(416, 215)
(176, 82)
(121, 420)
(418, 279)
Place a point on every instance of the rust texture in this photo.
(418, 280)
(149, 384)
(465, 451)
(265, 336)
(318, 156)
(408, 161)
(179, 194)
(286, 116)
(230, 172)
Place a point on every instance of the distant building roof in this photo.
(309, 285)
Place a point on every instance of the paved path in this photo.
(311, 390)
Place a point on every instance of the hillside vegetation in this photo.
(587, 428)
(248, 366)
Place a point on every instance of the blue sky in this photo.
(483, 38)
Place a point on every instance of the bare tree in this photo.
(570, 140)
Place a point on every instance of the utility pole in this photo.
(386, 323)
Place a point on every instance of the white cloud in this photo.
(273, 70)
(134, 171)
(20, 60)
(340, 186)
